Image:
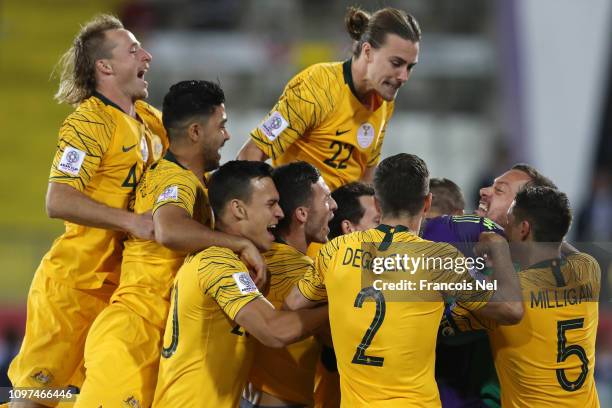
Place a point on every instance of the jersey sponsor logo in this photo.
(170, 193)
(244, 282)
(274, 125)
(128, 148)
(365, 135)
(341, 132)
(71, 161)
(144, 148)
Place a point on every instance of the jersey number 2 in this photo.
(360, 356)
(564, 351)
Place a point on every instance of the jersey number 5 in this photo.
(564, 351)
(360, 357)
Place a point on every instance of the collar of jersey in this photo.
(172, 158)
(107, 101)
(348, 76)
(387, 228)
(549, 263)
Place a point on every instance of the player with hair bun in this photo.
(334, 115)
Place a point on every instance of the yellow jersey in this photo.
(148, 268)
(287, 373)
(547, 360)
(206, 357)
(318, 119)
(385, 342)
(102, 152)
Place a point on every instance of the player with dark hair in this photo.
(356, 210)
(103, 148)
(385, 350)
(285, 377)
(447, 198)
(207, 353)
(130, 328)
(496, 199)
(334, 115)
(549, 357)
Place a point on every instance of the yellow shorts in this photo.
(58, 319)
(121, 360)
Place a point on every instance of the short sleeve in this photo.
(312, 285)
(180, 190)
(306, 101)
(84, 138)
(224, 278)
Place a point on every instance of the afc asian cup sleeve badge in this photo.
(244, 282)
(144, 148)
(365, 135)
(274, 125)
(71, 160)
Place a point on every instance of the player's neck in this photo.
(295, 238)
(536, 252)
(412, 223)
(189, 159)
(365, 93)
(124, 102)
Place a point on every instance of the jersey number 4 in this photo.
(339, 147)
(564, 351)
(360, 356)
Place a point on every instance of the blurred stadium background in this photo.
(498, 82)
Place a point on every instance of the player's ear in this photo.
(194, 132)
(104, 66)
(427, 203)
(366, 50)
(346, 227)
(238, 210)
(525, 230)
(301, 214)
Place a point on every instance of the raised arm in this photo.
(506, 304)
(67, 203)
(250, 151)
(177, 230)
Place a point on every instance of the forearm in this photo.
(188, 235)
(288, 327)
(67, 203)
(368, 175)
(506, 304)
(250, 151)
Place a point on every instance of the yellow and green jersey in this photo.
(288, 372)
(384, 341)
(206, 357)
(318, 119)
(102, 152)
(148, 267)
(547, 360)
